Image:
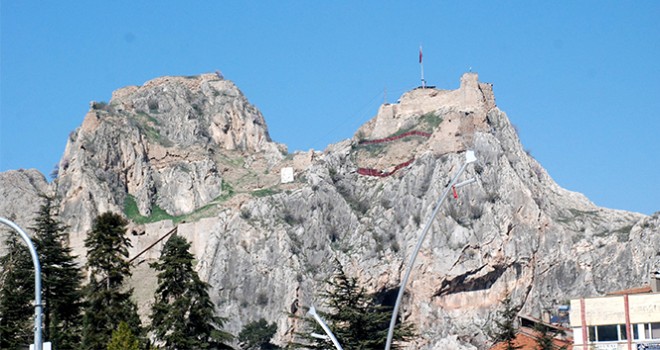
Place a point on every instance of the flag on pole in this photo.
(420, 54)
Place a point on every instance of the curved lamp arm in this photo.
(312, 311)
(38, 344)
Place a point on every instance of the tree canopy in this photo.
(505, 324)
(183, 315)
(61, 280)
(16, 295)
(256, 335)
(123, 339)
(355, 318)
(108, 301)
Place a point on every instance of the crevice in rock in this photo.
(466, 283)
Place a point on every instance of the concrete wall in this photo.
(610, 310)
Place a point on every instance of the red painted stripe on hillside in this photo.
(380, 173)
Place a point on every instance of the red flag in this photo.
(420, 54)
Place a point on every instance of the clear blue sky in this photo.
(580, 79)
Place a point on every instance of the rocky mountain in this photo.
(162, 146)
(20, 191)
(191, 154)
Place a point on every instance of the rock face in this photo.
(20, 191)
(157, 147)
(195, 149)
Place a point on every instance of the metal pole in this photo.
(469, 158)
(312, 311)
(38, 345)
(421, 63)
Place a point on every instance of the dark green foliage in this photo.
(355, 318)
(545, 337)
(123, 339)
(108, 302)
(107, 249)
(256, 335)
(61, 281)
(16, 295)
(182, 316)
(505, 324)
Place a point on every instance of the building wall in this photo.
(644, 320)
(644, 308)
(599, 311)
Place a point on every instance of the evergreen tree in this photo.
(256, 335)
(16, 296)
(123, 339)
(355, 318)
(545, 338)
(505, 324)
(107, 301)
(182, 315)
(61, 281)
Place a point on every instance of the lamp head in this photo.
(470, 157)
(312, 311)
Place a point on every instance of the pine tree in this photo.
(545, 338)
(107, 301)
(61, 281)
(16, 296)
(182, 315)
(355, 318)
(256, 335)
(505, 324)
(123, 339)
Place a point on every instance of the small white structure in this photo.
(287, 175)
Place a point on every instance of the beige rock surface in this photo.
(195, 148)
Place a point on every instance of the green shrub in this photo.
(256, 335)
(227, 192)
(431, 119)
(123, 339)
(264, 192)
(245, 214)
(133, 213)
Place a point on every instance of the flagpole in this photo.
(421, 63)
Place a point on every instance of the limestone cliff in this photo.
(194, 151)
(20, 192)
(160, 146)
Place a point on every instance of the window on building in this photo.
(605, 333)
(592, 333)
(623, 335)
(652, 330)
(635, 331)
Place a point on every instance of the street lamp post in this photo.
(469, 158)
(312, 311)
(38, 345)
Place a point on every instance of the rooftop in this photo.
(638, 290)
